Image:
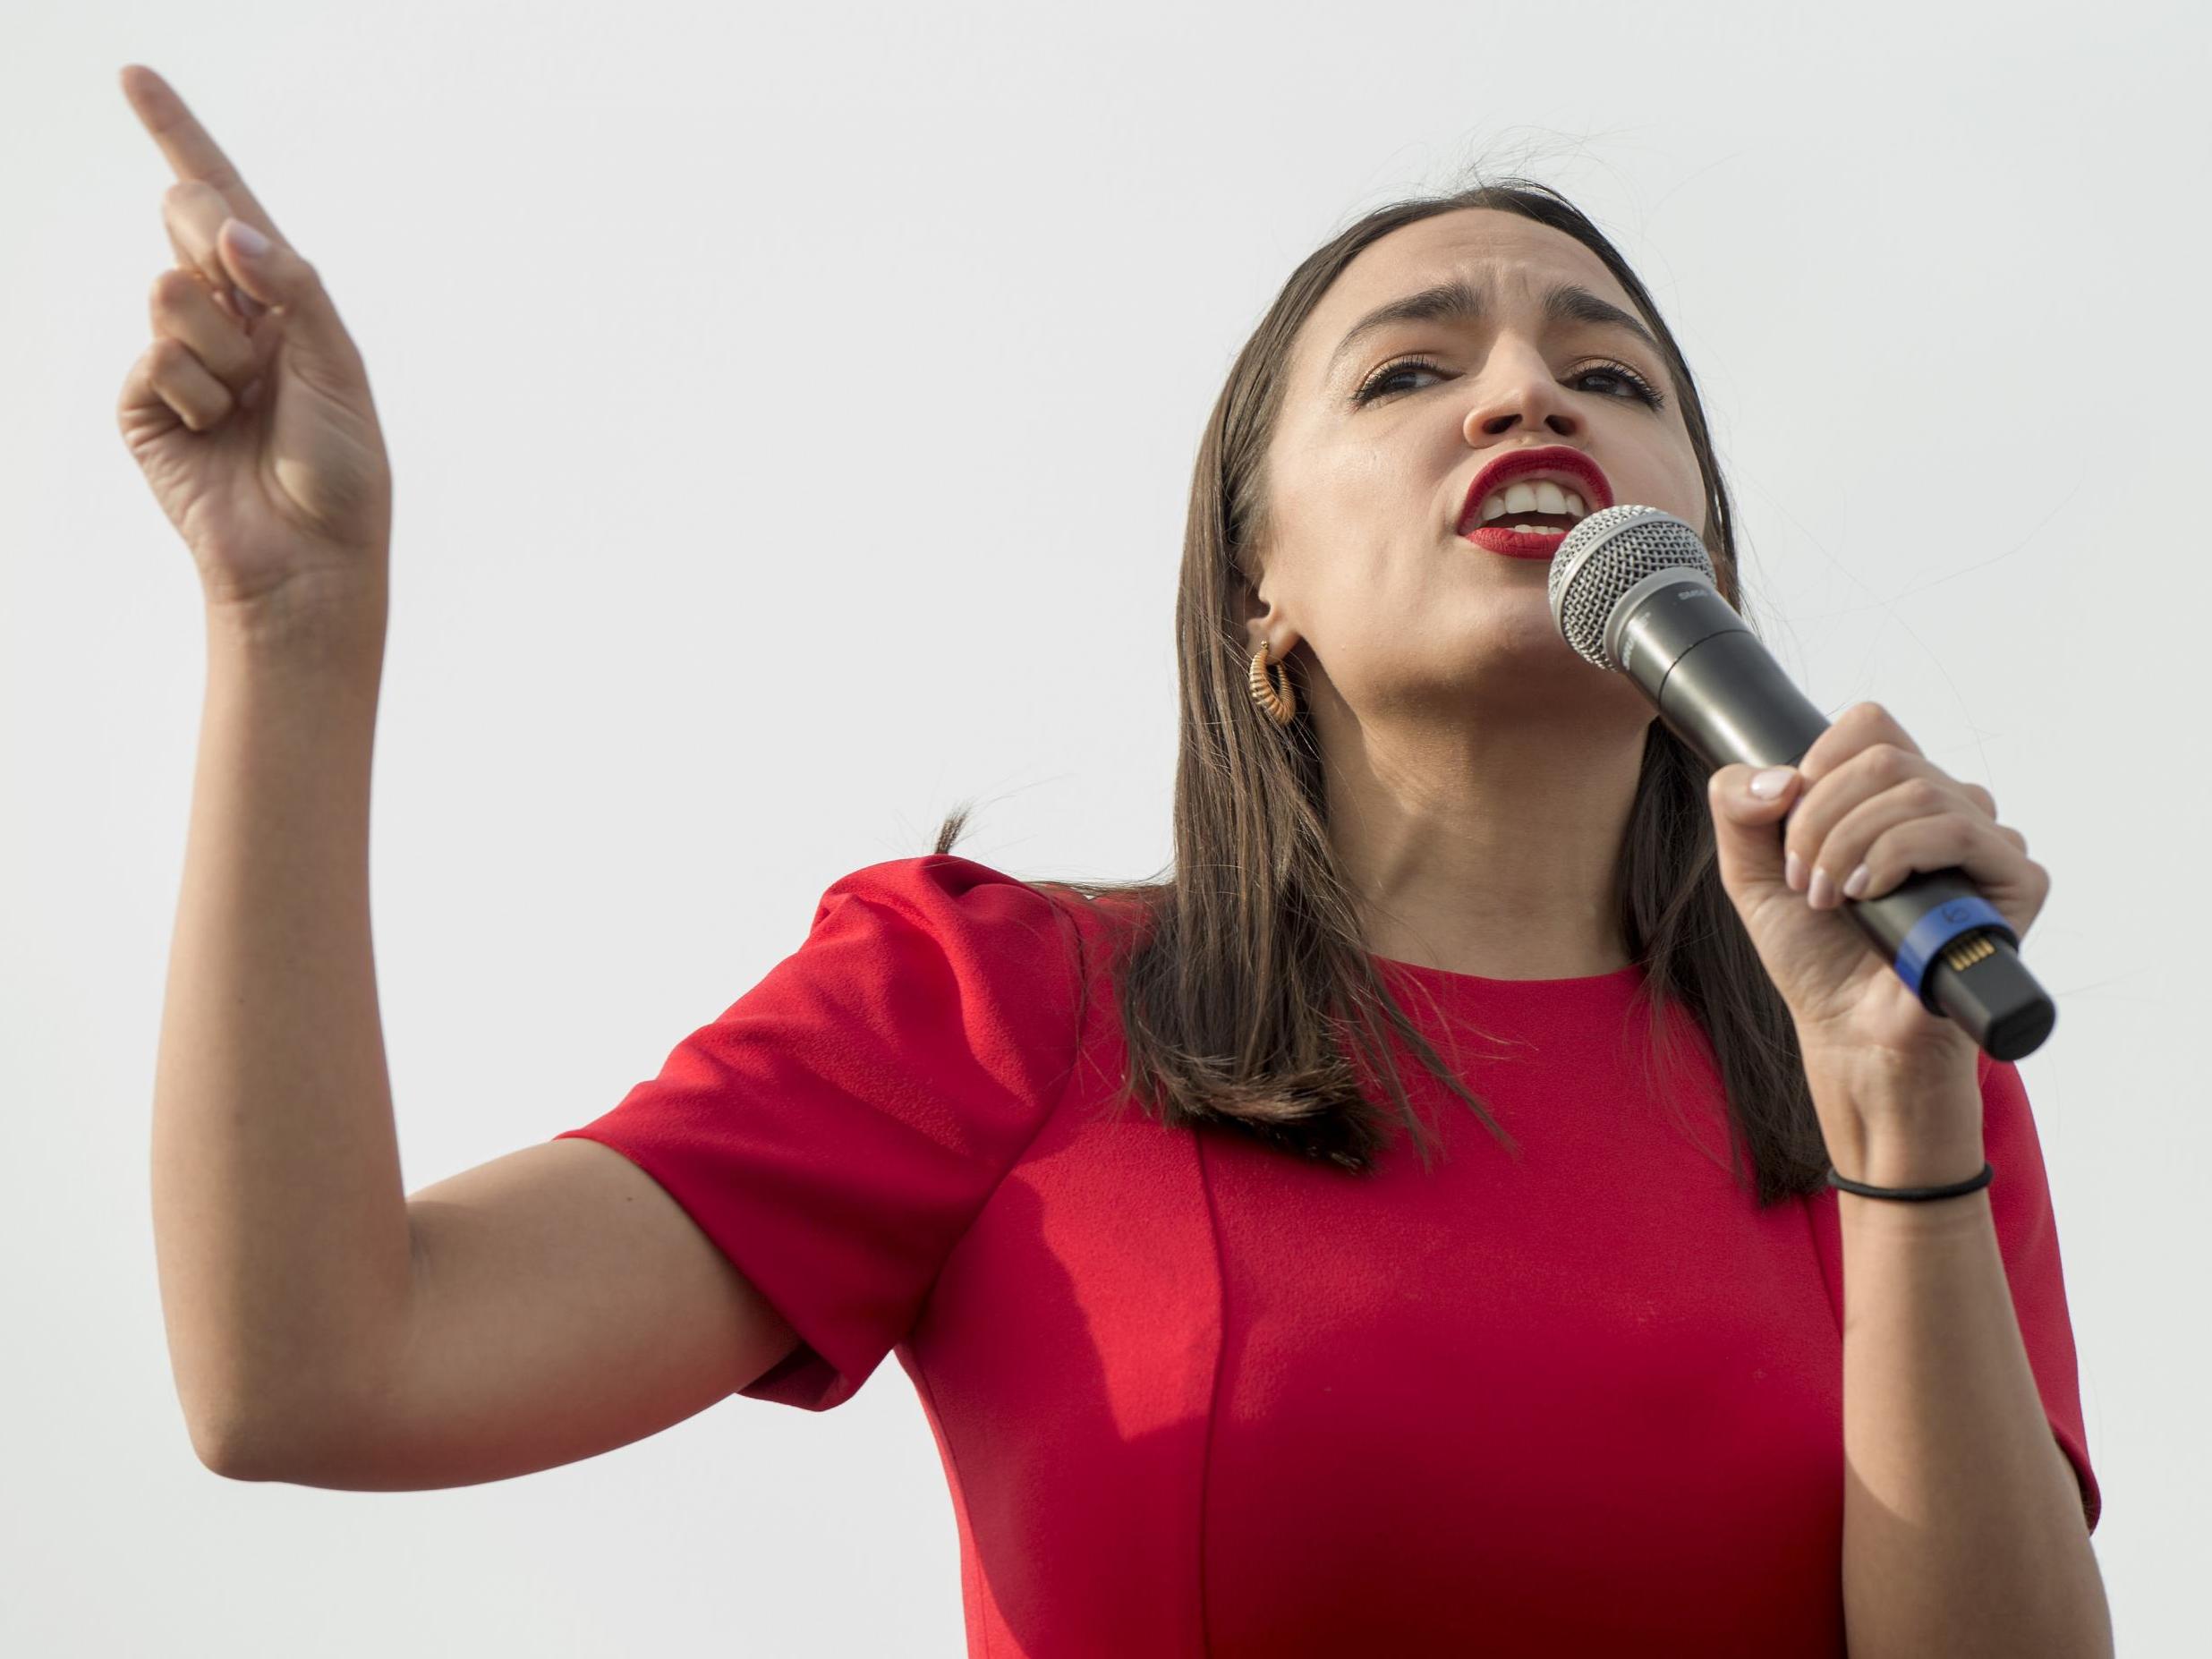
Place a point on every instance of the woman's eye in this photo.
(1620, 374)
(1379, 385)
(1381, 378)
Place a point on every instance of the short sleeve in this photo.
(2019, 1204)
(838, 1129)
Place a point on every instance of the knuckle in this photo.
(1890, 763)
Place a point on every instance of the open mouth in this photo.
(1536, 505)
(1526, 500)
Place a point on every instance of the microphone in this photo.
(1632, 591)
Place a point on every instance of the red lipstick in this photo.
(1560, 462)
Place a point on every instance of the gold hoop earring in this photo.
(1279, 706)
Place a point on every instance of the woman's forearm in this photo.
(1963, 1532)
(280, 1222)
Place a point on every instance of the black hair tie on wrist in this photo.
(1913, 1193)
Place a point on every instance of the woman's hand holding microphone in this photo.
(249, 412)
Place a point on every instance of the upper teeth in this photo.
(1543, 496)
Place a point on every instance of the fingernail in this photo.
(1822, 891)
(1793, 872)
(1768, 785)
(250, 240)
(1855, 883)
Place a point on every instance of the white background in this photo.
(792, 411)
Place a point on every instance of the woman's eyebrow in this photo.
(1460, 302)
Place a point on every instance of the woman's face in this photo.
(1368, 567)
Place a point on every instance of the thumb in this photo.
(1744, 826)
(272, 273)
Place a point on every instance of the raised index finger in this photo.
(192, 153)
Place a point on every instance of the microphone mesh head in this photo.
(1603, 556)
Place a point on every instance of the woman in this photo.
(1232, 1373)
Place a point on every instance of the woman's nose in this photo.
(1520, 389)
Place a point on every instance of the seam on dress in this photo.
(971, 1616)
(1213, 1395)
(976, 1619)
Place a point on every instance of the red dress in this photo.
(1195, 1396)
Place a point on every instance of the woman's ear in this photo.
(1262, 622)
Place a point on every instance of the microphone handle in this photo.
(1718, 688)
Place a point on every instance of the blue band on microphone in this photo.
(1937, 929)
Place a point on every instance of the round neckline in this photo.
(1617, 975)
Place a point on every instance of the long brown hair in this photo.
(1247, 967)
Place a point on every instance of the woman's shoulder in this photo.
(962, 899)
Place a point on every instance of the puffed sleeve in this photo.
(2019, 1204)
(838, 1129)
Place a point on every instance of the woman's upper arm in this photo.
(564, 1305)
